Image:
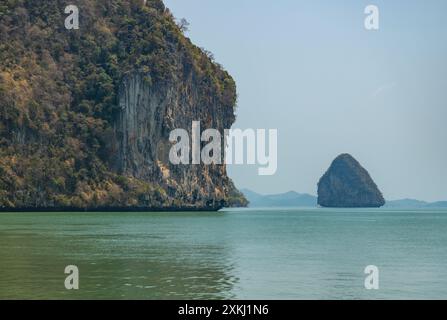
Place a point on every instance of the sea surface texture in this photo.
(238, 254)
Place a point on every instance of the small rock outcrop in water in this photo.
(347, 184)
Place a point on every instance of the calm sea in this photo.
(239, 254)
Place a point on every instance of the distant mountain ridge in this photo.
(288, 199)
(295, 199)
(412, 203)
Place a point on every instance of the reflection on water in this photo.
(138, 256)
(242, 254)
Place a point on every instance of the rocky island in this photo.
(346, 184)
(85, 114)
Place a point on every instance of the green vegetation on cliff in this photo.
(59, 97)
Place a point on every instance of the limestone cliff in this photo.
(85, 115)
(148, 113)
(346, 184)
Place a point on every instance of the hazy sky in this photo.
(311, 70)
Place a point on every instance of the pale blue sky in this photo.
(311, 70)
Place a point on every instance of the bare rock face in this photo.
(148, 113)
(347, 184)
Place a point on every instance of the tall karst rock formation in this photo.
(85, 115)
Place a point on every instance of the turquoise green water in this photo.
(240, 254)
